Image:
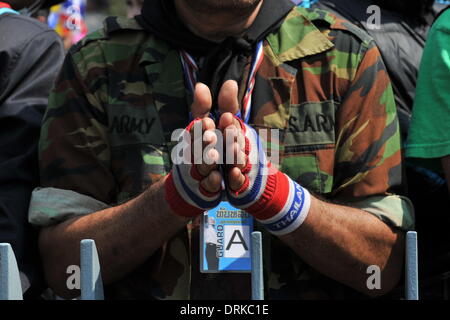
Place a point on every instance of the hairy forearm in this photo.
(125, 236)
(342, 242)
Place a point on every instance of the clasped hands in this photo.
(251, 184)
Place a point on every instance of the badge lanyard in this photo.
(191, 75)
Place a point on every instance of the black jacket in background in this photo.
(30, 57)
(401, 41)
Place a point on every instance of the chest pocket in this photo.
(139, 152)
(311, 125)
(309, 141)
(131, 125)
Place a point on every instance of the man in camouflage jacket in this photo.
(105, 156)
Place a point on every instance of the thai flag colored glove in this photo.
(269, 195)
(183, 191)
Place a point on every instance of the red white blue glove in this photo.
(269, 195)
(183, 190)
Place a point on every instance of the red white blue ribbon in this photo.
(190, 69)
(191, 75)
(256, 63)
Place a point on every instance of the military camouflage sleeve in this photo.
(49, 206)
(74, 150)
(368, 152)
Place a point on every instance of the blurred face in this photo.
(215, 20)
(134, 7)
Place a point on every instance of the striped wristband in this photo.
(293, 214)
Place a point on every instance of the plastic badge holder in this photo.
(225, 240)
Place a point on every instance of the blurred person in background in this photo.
(42, 15)
(134, 7)
(31, 55)
(97, 11)
(429, 136)
(401, 35)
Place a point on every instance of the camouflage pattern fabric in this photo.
(121, 94)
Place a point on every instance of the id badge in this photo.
(225, 236)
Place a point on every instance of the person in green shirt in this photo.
(428, 149)
(429, 135)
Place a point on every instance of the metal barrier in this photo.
(91, 278)
(412, 267)
(257, 267)
(10, 286)
(92, 286)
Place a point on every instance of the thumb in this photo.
(201, 107)
(228, 97)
